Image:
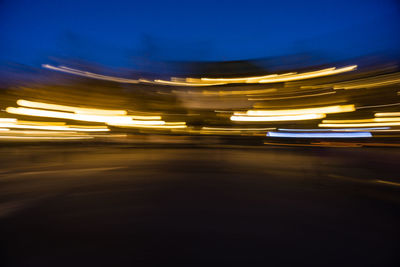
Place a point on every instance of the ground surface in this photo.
(123, 206)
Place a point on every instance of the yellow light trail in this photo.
(80, 117)
(282, 112)
(310, 75)
(184, 83)
(165, 126)
(371, 124)
(369, 82)
(236, 129)
(45, 137)
(55, 128)
(272, 78)
(387, 114)
(279, 118)
(363, 120)
(291, 97)
(90, 111)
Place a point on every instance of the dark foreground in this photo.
(122, 206)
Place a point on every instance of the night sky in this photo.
(118, 33)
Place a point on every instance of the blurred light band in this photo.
(55, 128)
(335, 130)
(89, 74)
(279, 118)
(387, 114)
(272, 78)
(92, 111)
(282, 112)
(320, 135)
(345, 125)
(81, 117)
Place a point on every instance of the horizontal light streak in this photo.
(279, 118)
(43, 132)
(45, 137)
(320, 135)
(166, 126)
(164, 82)
(380, 106)
(236, 129)
(89, 74)
(7, 120)
(387, 114)
(80, 117)
(239, 92)
(369, 82)
(90, 111)
(292, 97)
(272, 78)
(310, 75)
(336, 130)
(55, 128)
(282, 112)
(371, 124)
(395, 119)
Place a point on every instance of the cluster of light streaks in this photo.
(13, 129)
(370, 82)
(382, 119)
(304, 105)
(110, 117)
(290, 114)
(13, 123)
(270, 78)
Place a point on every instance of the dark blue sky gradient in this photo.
(119, 33)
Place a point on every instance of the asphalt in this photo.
(108, 205)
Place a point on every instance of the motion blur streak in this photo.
(377, 124)
(279, 118)
(309, 75)
(328, 109)
(161, 126)
(320, 135)
(25, 125)
(387, 114)
(294, 97)
(369, 82)
(93, 111)
(335, 130)
(363, 120)
(238, 92)
(236, 129)
(158, 81)
(270, 78)
(45, 137)
(274, 78)
(42, 132)
(89, 74)
(81, 117)
(7, 120)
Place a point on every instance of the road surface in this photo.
(66, 205)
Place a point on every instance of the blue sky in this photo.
(118, 33)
